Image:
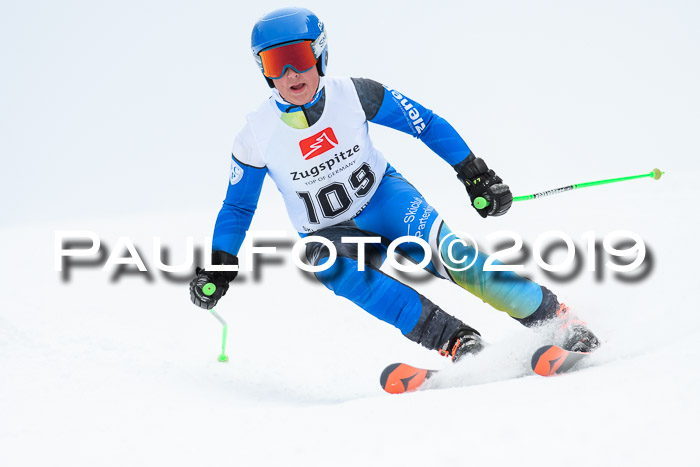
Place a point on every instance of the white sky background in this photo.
(119, 118)
(111, 108)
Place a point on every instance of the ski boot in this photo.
(465, 340)
(571, 333)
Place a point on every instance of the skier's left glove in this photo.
(204, 295)
(481, 181)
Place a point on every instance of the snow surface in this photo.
(118, 119)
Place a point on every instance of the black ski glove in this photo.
(481, 181)
(205, 295)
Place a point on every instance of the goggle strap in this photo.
(319, 44)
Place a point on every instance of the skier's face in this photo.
(298, 88)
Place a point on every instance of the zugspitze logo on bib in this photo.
(317, 144)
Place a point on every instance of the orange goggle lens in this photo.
(299, 56)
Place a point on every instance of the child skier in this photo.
(311, 137)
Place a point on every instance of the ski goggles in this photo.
(299, 56)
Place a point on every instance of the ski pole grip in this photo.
(480, 202)
(208, 289)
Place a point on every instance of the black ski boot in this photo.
(465, 340)
(571, 333)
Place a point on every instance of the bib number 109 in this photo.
(334, 199)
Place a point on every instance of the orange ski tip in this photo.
(400, 377)
(548, 360)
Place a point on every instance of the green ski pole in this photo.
(209, 289)
(481, 203)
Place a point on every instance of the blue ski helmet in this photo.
(289, 25)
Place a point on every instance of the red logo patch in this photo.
(317, 144)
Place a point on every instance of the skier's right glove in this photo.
(482, 182)
(209, 286)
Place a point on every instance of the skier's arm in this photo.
(391, 108)
(236, 214)
(244, 186)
